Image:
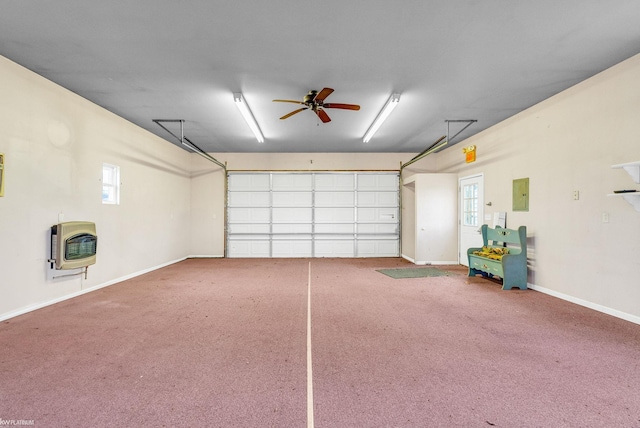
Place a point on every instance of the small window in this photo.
(470, 204)
(110, 184)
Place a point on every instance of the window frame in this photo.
(111, 183)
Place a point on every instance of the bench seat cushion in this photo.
(494, 253)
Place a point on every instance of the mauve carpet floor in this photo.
(222, 343)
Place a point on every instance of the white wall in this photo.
(313, 161)
(208, 192)
(208, 200)
(565, 144)
(55, 143)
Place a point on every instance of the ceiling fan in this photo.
(314, 101)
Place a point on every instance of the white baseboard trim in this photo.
(36, 306)
(204, 256)
(423, 262)
(408, 258)
(596, 307)
(438, 263)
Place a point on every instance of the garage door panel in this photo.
(292, 199)
(292, 248)
(335, 199)
(335, 182)
(378, 215)
(284, 181)
(292, 215)
(378, 182)
(334, 215)
(334, 248)
(377, 247)
(284, 228)
(249, 215)
(377, 228)
(320, 214)
(249, 228)
(249, 199)
(249, 182)
(335, 228)
(378, 199)
(253, 248)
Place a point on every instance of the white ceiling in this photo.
(450, 60)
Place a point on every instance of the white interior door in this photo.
(471, 215)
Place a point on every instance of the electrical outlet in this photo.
(576, 195)
(605, 217)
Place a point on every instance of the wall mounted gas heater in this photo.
(73, 245)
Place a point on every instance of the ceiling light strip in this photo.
(391, 103)
(241, 103)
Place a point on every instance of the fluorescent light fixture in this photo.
(248, 116)
(391, 103)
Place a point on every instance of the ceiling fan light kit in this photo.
(391, 103)
(241, 103)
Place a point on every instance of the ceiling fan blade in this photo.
(342, 106)
(292, 113)
(323, 94)
(288, 101)
(324, 117)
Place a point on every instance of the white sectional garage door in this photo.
(319, 214)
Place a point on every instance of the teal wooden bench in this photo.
(504, 254)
